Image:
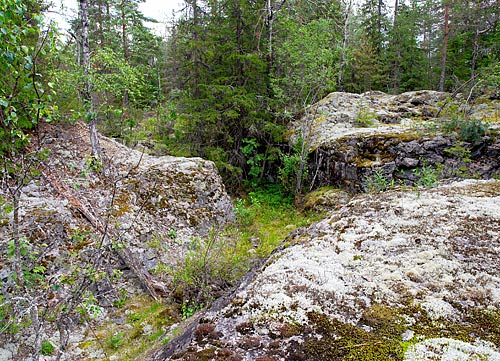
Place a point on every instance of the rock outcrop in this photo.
(352, 136)
(408, 275)
(137, 217)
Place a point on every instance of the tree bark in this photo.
(397, 50)
(100, 21)
(88, 93)
(195, 56)
(344, 46)
(442, 78)
(124, 30)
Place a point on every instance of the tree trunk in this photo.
(100, 22)
(124, 30)
(396, 69)
(445, 47)
(269, 64)
(195, 56)
(344, 46)
(88, 96)
(18, 260)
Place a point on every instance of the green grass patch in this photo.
(141, 330)
(215, 263)
(266, 216)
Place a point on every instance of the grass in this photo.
(266, 217)
(216, 262)
(142, 329)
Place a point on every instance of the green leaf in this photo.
(4, 102)
(9, 56)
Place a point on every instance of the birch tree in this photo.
(88, 93)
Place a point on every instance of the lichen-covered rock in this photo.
(352, 136)
(75, 222)
(385, 277)
(343, 114)
(325, 199)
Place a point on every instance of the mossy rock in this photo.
(325, 198)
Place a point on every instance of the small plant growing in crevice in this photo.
(189, 308)
(468, 130)
(172, 234)
(427, 176)
(365, 119)
(378, 182)
(463, 156)
(117, 340)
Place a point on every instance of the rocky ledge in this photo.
(408, 275)
(353, 137)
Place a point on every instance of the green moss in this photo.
(47, 348)
(378, 336)
(340, 341)
(121, 204)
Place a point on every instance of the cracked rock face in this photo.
(354, 136)
(343, 114)
(416, 258)
(154, 206)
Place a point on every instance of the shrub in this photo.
(428, 176)
(365, 119)
(468, 130)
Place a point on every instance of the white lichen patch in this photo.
(445, 349)
(435, 247)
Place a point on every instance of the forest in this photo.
(232, 74)
(224, 86)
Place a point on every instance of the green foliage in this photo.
(172, 234)
(243, 213)
(188, 309)
(25, 95)
(294, 169)
(47, 348)
(89, 307)
(427, 176)
(213, 264)
(266, 217)
(468, 130)
(365, 119)
(463, 156)
(254, 159)
(116, 341)
(306, 57)
(378, 182)
(208, 268)
(472, 131)
(7, 324)
(287, 174)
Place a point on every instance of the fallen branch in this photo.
(122, 251)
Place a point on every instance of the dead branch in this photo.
(122, 251)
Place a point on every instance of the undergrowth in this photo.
(133, 329)
(265, 216)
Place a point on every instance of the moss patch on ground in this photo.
(379, 334)
(137, 326)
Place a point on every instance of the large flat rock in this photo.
(398, 275)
